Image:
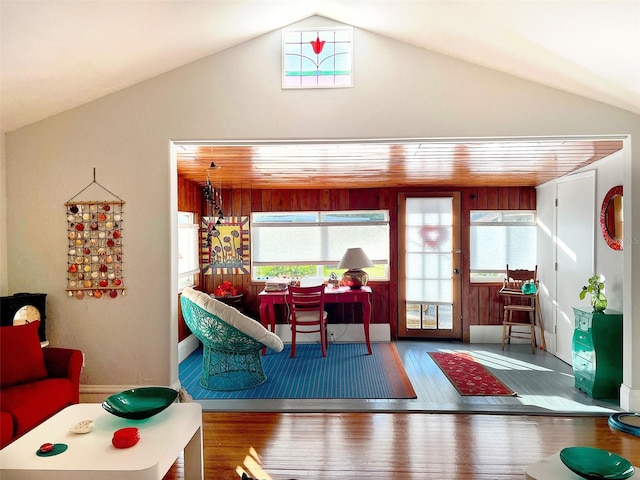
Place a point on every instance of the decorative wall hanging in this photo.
(225, 245)
(95, 246)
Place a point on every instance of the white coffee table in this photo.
(92, 456)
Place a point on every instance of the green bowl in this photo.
(140, 403)
(596, 464)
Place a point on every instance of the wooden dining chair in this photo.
(306, 305)
(516, 301)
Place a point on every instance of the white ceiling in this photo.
(56, 55)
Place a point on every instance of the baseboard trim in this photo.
(493, 334)
(342, 332)
(99, 393)
(629, 399)
(187, 346)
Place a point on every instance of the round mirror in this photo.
(611, 218)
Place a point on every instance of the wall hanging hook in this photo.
(96, 183)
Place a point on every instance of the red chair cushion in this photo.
(25, 402)
(6, 428)
(22, 357)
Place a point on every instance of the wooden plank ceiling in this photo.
(315, 165)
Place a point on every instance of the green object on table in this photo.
(140, 403)
(529, 287)
(597, 353)
(596, 464)
(57, 449)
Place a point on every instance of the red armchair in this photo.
(35, 382)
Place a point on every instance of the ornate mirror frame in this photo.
(611, 218)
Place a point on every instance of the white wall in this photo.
(3, 220)
(608, 262)
(400, 91)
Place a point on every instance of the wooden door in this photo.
(429, 266)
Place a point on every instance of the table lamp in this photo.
(354, 260)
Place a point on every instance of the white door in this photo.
(575, 247)
(546, 260)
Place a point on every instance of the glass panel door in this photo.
(429, 280)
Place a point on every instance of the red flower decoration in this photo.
(225, 290)
(317, 45)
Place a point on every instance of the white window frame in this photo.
(188, 250)
(496, 273)
(301, 37)
(317, 220)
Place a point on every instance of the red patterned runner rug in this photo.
(469, 376)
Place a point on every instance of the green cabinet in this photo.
(597, 353)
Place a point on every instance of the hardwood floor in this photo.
(411, 446)
(440, 435)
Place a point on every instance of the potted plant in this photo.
(596, 289)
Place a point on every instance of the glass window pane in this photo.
(445, 317)
(355, 216)
(319, 238)
(501, 237)
(188, 259)
(188, 250)
(284, 217)
(435, 290)
(286, 244)
(307, 64)
(429, 266)
(492, 248)
(428, 249)
(429, 238)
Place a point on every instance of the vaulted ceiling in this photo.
(56, 55)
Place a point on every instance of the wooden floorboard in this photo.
(545, 385)
(440, 435)
(411, 446)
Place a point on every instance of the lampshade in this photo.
(355, 258)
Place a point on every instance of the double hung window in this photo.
(498, 238)
(299, 244)
(188, 258)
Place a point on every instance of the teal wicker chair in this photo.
(231, 342)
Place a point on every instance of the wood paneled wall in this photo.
(243, 202)
(480, 305)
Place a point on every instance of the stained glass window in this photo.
(317, 58)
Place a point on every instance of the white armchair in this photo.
(231, 341)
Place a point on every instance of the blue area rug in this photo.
(346, 372)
